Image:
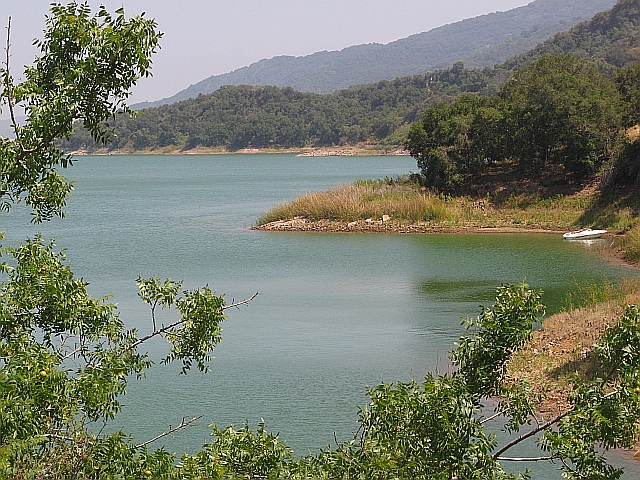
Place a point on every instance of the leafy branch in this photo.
(151, 292)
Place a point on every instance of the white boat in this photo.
(584, 234)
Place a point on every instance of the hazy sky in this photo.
(210, 37)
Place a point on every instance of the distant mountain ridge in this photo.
(478, 42)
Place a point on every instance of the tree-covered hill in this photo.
(611, 39)
(478, 42)
(236, 117)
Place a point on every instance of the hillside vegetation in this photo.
(480, 42)
(239, 117)
(267, 117)
(610, 39)
(556, 148)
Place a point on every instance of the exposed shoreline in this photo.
(300, 224)
(360, 150)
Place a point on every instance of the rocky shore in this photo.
(610, 251)
(382, 225)
(350, 151)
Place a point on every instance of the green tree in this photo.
(438, 429)
(561, 111)
(628, 81)
(86, 68)
(457, 139)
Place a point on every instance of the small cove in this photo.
(336, 312)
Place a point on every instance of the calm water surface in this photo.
(336, 312)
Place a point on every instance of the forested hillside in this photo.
(478, 42)
(262, 117)
(561, 117)
(610, 39)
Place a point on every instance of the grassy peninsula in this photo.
(403, 206)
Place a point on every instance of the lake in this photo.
(336, 312)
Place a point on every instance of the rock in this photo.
(386, 218)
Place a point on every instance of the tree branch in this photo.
(571, 469)
(243, 302)
(175, 324)
(492, 417)
(71, 354)
(531, 433)
(171, 430)
(539, 429)
(55, 436)
(526, 459)
(150, 336)
(8, 80)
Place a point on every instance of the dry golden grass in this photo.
(407, 204)
(634, 133)
(631, 244)
(362, 200)
(407, 208)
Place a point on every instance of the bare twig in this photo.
(153, 314)
(526, 459)
(342, 450)
(150, 336)
(175, 324)
(492, 417)
(71, 354)
(183, 424)
(572, 470)
(531, 434)
(55, 436)
(8, 79)
(243, 302)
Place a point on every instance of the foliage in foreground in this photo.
(434, 429)
(87, 67)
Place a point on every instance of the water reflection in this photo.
(458, 290)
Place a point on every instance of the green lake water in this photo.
(336, 312)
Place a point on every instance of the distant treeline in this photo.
(261, 117)
(237, 117)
